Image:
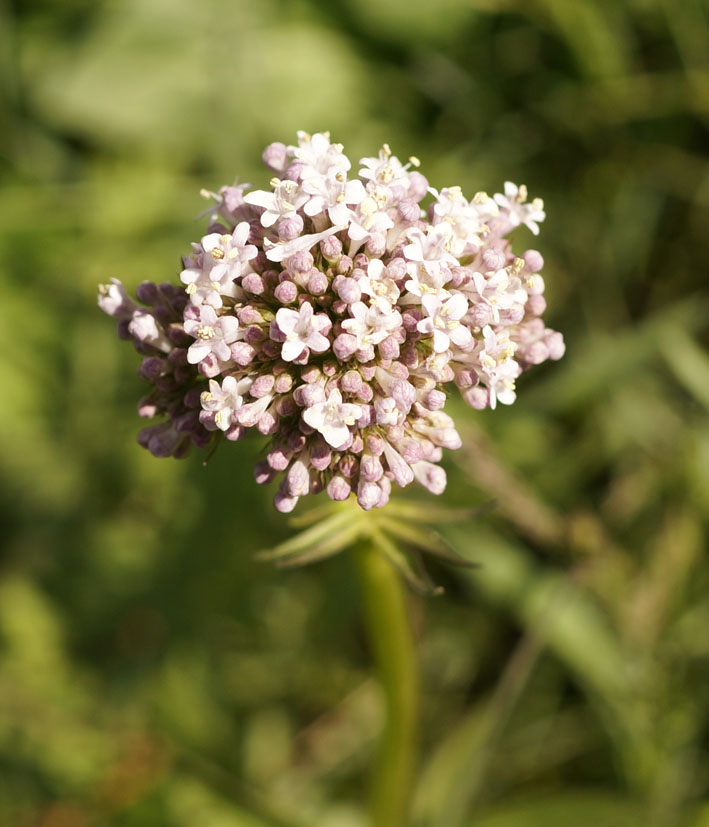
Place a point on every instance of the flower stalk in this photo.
(393, 649)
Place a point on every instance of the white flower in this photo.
(332, 194)
(224, 401)
(332, 418)
(382, 291)
(113, 299)
(317, 155)
(385, 169)
(370, 215)
(499, 292)
(213, 334)
(429, 259)
(302, 330)
(371, 325)
(443, 321)
(286, 199)
(499, 368)
(220, 259)
(464, 219)
(520, 213)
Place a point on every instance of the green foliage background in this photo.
(151, 673)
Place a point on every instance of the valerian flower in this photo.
(331, 313)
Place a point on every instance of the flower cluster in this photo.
(330, 312)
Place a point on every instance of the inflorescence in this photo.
(330, 313)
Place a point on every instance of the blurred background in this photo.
(151, 672)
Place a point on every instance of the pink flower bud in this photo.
(290, 227)
(344, 346)
(253, 283)
(242, 353)
(534, 261)
(350, 382)
(556, 346)
(389, 348)
(368, 495)
(320, 455)
(308, 395)
(286, 292)
(275, 157)
(376, 245)
(536, 305)
(418, 185)
(433, 400)
(477, 397)
(262, 386)
(283, 383)
(331, 248)
(283, 503)
(370, 468)
(347, 289)
(494, 259)
(317, 283)
(344, 265)
(300, 264)
(338, 488)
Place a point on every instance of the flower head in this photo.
(331, 312)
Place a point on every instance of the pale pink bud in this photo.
(253, 283)
(435, 400)
(389, 348)
(365, 393)
(534, 260)
(351, 382)
(338, 488)
(368, 495)
(409, 210)
(344, 265)
(347, 289)
(300, 263)
(536, 305)
(344, 346)
(297, 481)
(375, 444)
(283, 383)
(479, 314)
(262, 386)
(418, 185)
(242, 353)
(370, 468)
(248, 314)
(320, 455)
(275, 157)
(556, 346)
(432, 477)
(286, 292)
(536, 353)
(283, 503)
(210, 367)
(331, 247)
(376, 245)
(308, 395)
(477, 397)
(494, 259)
(290, 227)
(317, 283)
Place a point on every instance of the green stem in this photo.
(387, 622)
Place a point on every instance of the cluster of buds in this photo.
(330, 313)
